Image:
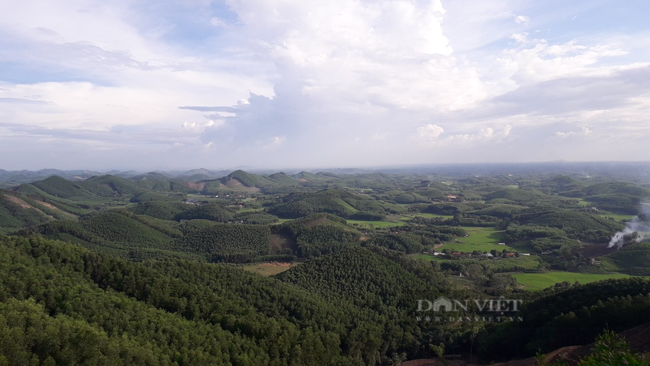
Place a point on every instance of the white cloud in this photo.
(522, 19)
(484, 134)
(299, 80)
(429, 133)
(214, 21)
(584, 131)
(535, 60)
(275, 143)
(198, 127)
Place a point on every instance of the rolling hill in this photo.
(15, 213)
(283, 179)
(334, 201)
(240, 180)
(317, 235)
(57, 187)
(111, 186)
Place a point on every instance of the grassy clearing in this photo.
(268, 269)
(251, 210)
(483, 239)
(539, 281)
(280, 221)
(617, 217)
(374, 224)
(427, 257)
(424, 215)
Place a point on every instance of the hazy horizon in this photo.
(556, 167)
(274, 85)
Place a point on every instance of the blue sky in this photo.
(294, 84)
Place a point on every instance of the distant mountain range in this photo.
(629, 171)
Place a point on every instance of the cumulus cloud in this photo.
(319, 82)
(429, 133)
(522, 19)
(201, 126)
(584, 131)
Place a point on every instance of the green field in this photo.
(617, 217)
(539, 281)
(268, 269)
(361, 223)
(428, 257)
(251, 210)
(425, 215)
(483, 239)
(374, 224)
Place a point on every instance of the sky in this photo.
(183, 84)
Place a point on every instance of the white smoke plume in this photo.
(639, 225)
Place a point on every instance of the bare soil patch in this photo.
(198, 186)
(316, 222)
(19, 202)
(278, 241)
(52, 207)
(24, 204)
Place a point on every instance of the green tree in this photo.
(612, 350)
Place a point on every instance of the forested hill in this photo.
(574, 316)
(69, 304)
(335, 201)
(62, 304)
